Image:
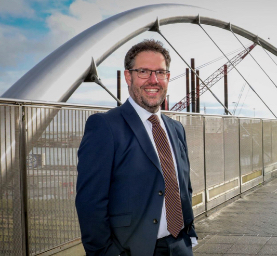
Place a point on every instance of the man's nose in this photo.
(153, 78)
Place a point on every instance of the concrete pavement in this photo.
(247, 226)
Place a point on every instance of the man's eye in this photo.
(160, 72)
(142, 71)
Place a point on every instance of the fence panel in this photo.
(214, 151)
(11, 225)
(52, 159)
(267, 142)
(51, 168)
(195, 141)
(274, 141)
(231, 149)
(257, 145)
(246, 146)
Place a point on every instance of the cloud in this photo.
(13, 42)
(16, 8)
(111, 7)
(8, 78)
(16, 44)
(82, 15)
(21, 49)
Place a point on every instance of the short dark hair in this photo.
(145, 46)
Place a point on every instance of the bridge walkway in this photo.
(247, 226)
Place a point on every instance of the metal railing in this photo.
(228, 156)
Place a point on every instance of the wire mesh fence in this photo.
(39, 144)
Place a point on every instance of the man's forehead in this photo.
(148, 56)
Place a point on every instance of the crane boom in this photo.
(213, 78)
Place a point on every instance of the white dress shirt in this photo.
(144, 115)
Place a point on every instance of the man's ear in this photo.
(128, 77)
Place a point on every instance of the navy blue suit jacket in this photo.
(119, 180)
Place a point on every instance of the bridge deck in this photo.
(247, 226)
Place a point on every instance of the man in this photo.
(133, 189)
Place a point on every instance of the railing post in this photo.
(240, 189)
(224, 148)
(187, 90)
(205, 171)
(263, 149)
(252, 139)
(23, 179)
(192, 90)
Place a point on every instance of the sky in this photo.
(31, 29)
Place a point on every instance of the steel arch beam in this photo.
(58, 75)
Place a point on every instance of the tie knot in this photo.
(154, 119)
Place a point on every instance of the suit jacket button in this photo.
(161, 193)
(155, 221)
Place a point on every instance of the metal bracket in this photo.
(230, 26)
(257, 41)
(197, 20)
(93, 77)
(156, 26)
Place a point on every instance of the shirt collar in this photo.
(143, 113)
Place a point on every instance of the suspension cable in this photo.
(244, 100)
(230, 27)
(237, 103)
(158, 31)
(266, 51)
(236, 68)
(217, 59)
(205, 64)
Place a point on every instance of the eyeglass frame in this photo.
(138, 69)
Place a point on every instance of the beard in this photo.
(151, 104)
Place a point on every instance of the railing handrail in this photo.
(11, 101)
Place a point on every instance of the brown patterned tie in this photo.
(173, 206)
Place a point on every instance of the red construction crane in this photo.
(213, 78)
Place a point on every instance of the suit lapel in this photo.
(135, 123)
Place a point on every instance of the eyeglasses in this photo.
(146, 73)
